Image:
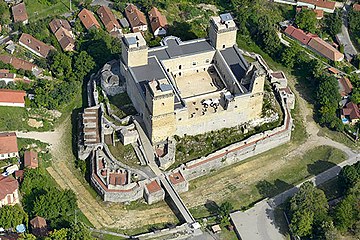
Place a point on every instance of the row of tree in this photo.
(312, 217)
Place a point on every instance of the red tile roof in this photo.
(55, 24)
(118, 178)
(153, 186)
(19, 12)
(38, 222)
(320, 3)
(31, 159)
(35, 44)
(356, 7)
(351, 110)
(289, 30)
(325, 49)
(157, 20)
(135, 16)
(88, 20)
(8, 142)
(176, 178)
(319, 13)
(12, 96)
(346, 86)
(301, 36)
(4, 73)
(108, 18)
(8, 185)
(17, 63)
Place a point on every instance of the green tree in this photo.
(79, 231)
(347, 212)
(290, 54)
(333, 22)
(308, 208)
(11, 216)
(224, 213)
(60, 65)
(350, 175)
(27, 236)
(83, 64)
(60, 234)
(306, 20)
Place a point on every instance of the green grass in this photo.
(121, 105)
(338, 137)
(227, 234)
(37, 10)
(125, 154)
(291, 173)
(103, 236)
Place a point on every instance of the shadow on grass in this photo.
(268, 189)
(319, 167)
(212, 207)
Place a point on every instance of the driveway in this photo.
(101, 3)
(344, 37)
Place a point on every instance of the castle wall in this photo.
(226, 73)
(222, 40)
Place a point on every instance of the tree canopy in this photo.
(11, 216)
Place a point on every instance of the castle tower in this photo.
(222, 32)
(134, 50)
(160, 122)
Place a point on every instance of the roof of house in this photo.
(4, 73)
(333, 70)
(157, 20)
(35, 44)
(31, 159)
(351, 110)
(135, 16)
(345, 86)
(289, 30)
(325, 49)
(153, 186)
(108, 18)
(88, 19)
(66, 41)
(320, 3)
(356, 7)
(38, 222)
(278, 75)
(8, 185)
(55, 24)
(12, 96)
(319, 13)
(17, 62)
(301, 36)
(8, 142)
(19, 12)
(176, 178)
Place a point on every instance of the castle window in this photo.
(179, 66)
(179, 119)
(224, 46)
(163, 104)
(194, 63)
(168, 70)
(235, 106)
(207, 60)
(179, 73)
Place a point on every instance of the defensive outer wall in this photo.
(249, 147)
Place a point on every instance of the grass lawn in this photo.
(37, 10)
(273, 181)
(125, 154)
(339, 137)
(103, 236)
(121, 105)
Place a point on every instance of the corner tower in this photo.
(134, 50)
(222, 32)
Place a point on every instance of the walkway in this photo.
(185, 213)
(344, 37)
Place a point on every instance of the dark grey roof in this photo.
(226, 17)
(175, 48)
(236, 62)
(150, 71)
(124, 22)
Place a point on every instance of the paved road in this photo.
(258, 223)
(344, 37)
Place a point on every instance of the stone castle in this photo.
(192, 87)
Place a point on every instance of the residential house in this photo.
(9, 191)
(108, 19)
(6, 76)
(325, 49)
(63, 33)
(17, 63)
(351, 113)
(10, 48)
(319, 14)
(315, 43)
(158, 22)
(326, 6)
(31, 159)
(8, 145)
(38, 226)
(12, 98)
(34, 45)
(19, 13)
(136, 18)
(345, 87)
(88, 19)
